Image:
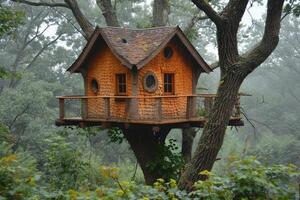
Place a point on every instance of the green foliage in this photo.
(168, 161)
(18, 174)
(9, 20)
(202, 112)
(249, 179)
(244, 179)
(64, 167)
(292, 7)
(115, 135)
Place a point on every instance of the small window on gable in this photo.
(121, 84)
(168, 52)
(169, 83)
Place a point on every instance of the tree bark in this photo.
(213, 133)
(234, 69)
(83, 22)
(161, 11)
(108, 12)
(145, 143)
(188, 136)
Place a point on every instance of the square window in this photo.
(169, 83)
(121, 84)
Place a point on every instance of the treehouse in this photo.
(139, 77)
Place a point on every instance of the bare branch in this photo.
(42, 50)
(209, 11)
(83, 22)
(64, 5)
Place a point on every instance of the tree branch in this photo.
(41, 51)
(83, 22)
(209, 11)
(108, 12)
(235, 10)
(196, 18)
(252, 59)
(64, 5)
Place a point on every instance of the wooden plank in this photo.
(158, 102)
(84, 111)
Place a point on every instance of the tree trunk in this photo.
(144, 142)
(188, 135)
(213, 134)
(161, 11)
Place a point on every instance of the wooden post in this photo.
(191, 107)
(158, 108)
(107, 107)
(84, 113)
(61, 108)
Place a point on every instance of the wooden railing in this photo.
(197, 105)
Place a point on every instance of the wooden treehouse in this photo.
(144, 77)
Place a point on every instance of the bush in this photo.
(18, 175)
(249, 179)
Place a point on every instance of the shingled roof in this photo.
(136, 47)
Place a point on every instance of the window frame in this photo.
(154, 87)
(95, 86)
(172, 83)
(118, 93)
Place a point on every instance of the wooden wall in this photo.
(104, 65)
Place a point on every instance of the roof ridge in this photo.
(138, 29)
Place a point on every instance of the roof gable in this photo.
(136, 47)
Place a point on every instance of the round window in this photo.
(150, 82)
(168, 52)
(95, 86)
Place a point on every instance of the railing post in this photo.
(107, 107)
(84, 108)
(158, 102)
(61, 108)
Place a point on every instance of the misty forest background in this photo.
(48, 40)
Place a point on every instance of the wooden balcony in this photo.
(100, 111)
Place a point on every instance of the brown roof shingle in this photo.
(136, 47)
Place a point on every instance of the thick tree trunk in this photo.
(161, 11)
(188, 135)
(213, 134)
(144, 142)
